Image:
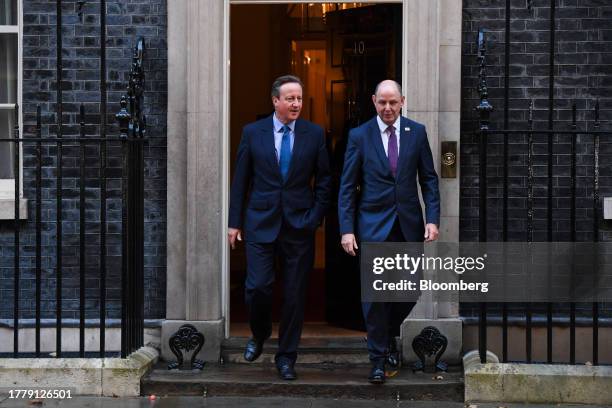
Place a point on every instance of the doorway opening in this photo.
(340, 51)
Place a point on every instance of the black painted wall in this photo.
(126, 22)
(583, 74)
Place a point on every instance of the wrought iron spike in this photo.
(574, 115)
(140, 50)
(597, 113)
(484, 108)
(136, 122)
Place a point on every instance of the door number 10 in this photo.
(359, 47)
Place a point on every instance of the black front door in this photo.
(363, 48)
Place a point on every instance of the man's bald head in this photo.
(388, 83)
(388, 101)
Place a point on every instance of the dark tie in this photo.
(392, 150)
(285, 152)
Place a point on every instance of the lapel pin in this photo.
(407, 129)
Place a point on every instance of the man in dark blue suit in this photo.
(275, 203)
(384, 157)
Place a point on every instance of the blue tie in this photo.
(285, 152)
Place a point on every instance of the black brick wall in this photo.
(126, 22)
(583, 73)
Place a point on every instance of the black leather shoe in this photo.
(253, 349)
(286, 370)
(377, 374)
(393, 357)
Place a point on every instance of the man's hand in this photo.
(349, 244)
(232, 235)
(431, 232)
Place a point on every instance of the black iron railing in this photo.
(126, 149)
(133, 124)
(485, 131)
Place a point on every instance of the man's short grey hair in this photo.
(397, 85)
(282, 80)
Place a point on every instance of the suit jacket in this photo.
(297, 201)
(384, 197)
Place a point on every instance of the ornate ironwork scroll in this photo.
(429, 343)
(132, 125)
(132, 121)
(484, 108)
(187, 338)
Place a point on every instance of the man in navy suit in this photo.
(273, 201)
(384, 157)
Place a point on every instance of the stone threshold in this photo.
(335, 350)
(321, 380)
(109, 377)
(538, 383)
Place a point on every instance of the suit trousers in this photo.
(383, 320)
(295, 251)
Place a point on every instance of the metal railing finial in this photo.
(484, 108)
